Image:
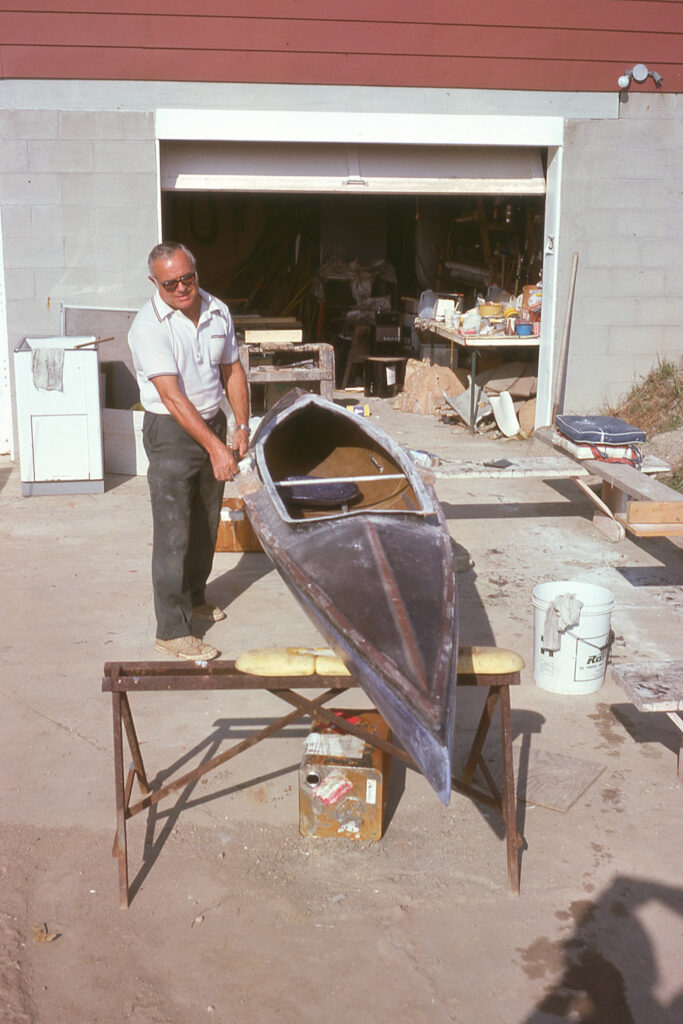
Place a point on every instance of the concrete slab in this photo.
(234, 915)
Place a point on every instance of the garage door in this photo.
(345, 169)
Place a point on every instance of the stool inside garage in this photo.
(384, 376)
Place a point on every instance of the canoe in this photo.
(355, 529)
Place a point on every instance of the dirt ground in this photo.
(234, 916)
(668, 446)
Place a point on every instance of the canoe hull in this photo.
(380, 587)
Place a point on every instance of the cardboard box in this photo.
(235, 532)
(344, 781)
(532, 297)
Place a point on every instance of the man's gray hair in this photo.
(166, 249)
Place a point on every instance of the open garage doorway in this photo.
(333, 262)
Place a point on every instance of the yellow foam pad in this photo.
(309, 661)
(489, 661)
(277, 661)
(291, 661)
(328, 664)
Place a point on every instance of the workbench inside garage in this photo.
(457, 340)
(270, 356)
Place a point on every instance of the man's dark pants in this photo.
(186, 506)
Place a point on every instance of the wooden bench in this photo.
(655, 687)
(630, 501)
(489, 667)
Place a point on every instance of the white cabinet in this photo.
(58, 416)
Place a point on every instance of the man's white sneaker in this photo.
(191, 648)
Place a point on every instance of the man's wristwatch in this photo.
(242, 426)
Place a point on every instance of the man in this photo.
(184, 352)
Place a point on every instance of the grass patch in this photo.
(655, 405)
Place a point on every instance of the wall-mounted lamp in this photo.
(639, 73)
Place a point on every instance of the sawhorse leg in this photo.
(498, 696)
(123, 784)
(677, 719)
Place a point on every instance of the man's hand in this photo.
(223, 462)
(183, 411)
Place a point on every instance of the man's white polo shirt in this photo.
(165, 341)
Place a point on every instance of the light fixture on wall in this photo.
(639, 73)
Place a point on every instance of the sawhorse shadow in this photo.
(224, 730)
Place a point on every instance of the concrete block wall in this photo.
(622, 211)
(79, 196)
(79, 212)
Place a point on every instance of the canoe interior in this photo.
(311, 443)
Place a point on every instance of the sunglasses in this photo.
(170, 286)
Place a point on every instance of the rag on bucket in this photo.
(564, 612)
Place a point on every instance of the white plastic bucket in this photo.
(579, 665)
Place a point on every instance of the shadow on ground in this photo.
(251, 567)
(161, 821)
(609, 963)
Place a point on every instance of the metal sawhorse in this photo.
(122, 678)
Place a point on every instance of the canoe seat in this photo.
(330, 494)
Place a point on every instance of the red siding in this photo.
(582, 45)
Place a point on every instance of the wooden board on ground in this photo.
(542, 467)
(651, 686)
(637, 483)
(548, 778)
